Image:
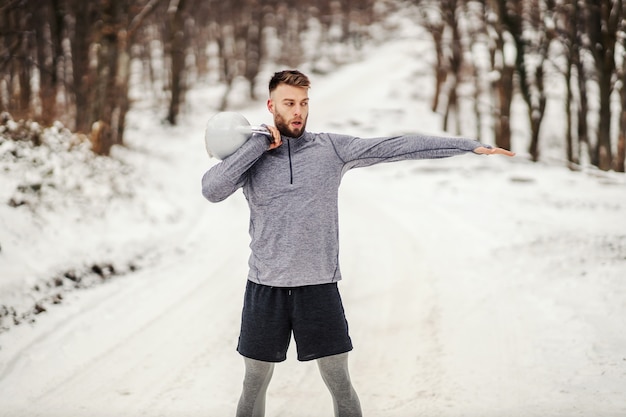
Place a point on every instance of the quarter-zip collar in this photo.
(292, 148)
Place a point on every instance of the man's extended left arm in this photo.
(359, 152)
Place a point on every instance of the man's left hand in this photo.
(481, 150)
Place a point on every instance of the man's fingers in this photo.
(493, 151)
(502, 151)
(276, 139)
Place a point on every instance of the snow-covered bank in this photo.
(474, 286)
(71, 219)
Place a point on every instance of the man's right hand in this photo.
(276, 139)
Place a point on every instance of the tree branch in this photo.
(139, 18)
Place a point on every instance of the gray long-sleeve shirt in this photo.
(292, 192)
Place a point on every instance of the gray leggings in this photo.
(334, 370)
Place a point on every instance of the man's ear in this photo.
(270, 105)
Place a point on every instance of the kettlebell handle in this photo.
(255, 129)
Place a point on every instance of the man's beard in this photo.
(285, 130)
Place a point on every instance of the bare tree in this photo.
(503, 56)
(432, 21)
(176, 41)
(48, 16)
(107, 100)
(541, 20)
(568, 33)
(603, 20)
(453, 8)
(253, 22)
(519, 36)
(515, 17)
(16, 61)
(81, 20)
(441, 19)
(113, 25)
(620, 157)
(582, 76)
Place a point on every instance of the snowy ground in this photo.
(474, 286)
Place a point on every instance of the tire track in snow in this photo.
(393, 305)
(130, 343)
(481, 334)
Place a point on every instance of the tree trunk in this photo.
(49, 24)
(569, 99)
(603, 20)
(537, 110)
(478, 92)
(85, 17)
(602, 154)
(17, 63)
(176, 44)
(503, 84)
(441, 68)
(583, 109)
(254, 45)
(109, 98)
(620, 157)
(456, 63)
(504, 96)
(225, 44)
(570, 42)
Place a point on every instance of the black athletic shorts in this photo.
(313, 313)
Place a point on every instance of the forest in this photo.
(76, 62)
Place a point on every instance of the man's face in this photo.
(290, 107)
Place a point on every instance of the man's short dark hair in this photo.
(290, 77)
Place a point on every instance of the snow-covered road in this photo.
(444, 315)
(474, 286)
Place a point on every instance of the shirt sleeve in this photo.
(358, 152)
(223, 179)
